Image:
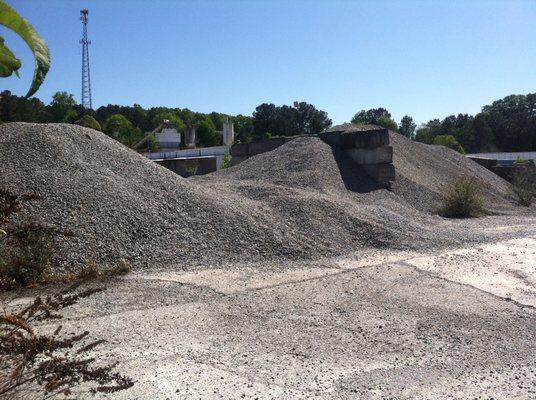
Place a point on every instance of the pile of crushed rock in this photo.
(304, 200)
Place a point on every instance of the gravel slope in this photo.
(422, 171)
(302, 200)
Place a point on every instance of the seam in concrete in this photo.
(437, 276)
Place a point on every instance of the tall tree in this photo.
(206, 131)
(513, 122)
(62, 107)
(20, 108)
(303, 118)
(172, 117)
(120, 128)
(407, 126)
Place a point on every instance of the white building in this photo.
(168, 139)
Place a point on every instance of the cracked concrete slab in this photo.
(506, 269)
(400, 326)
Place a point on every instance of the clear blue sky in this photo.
(427, 59)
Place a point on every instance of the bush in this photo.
(25, 256)
(523, 188)
(27, 250)
(92, 271)
(462, 200)
(226, 162)
(89, 122)
(450, 142)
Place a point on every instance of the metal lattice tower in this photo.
(86, 82)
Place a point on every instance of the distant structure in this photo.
(228, 132)
(86, 82)
(189, 137)
(168, 138)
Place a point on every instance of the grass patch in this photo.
(92, 271)
(462, 200)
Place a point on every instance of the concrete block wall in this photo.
(242, 151)
(186, 167)
(368, 146)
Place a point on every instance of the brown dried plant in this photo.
(51, 364)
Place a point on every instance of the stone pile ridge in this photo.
(302, 201)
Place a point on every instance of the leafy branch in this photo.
(9, 64)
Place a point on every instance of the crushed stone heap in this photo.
(304, 200)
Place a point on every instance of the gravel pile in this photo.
(302, 200)
(423, 171)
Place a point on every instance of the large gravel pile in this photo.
(423, 171)
(303, 200)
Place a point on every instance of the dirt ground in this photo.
(456, 324)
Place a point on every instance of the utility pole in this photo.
(86, 82)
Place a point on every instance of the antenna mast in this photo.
(86, 82)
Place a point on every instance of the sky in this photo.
(427, 59)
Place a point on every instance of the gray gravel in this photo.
(303, 200)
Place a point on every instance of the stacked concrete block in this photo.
(368, 146)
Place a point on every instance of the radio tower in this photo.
(86, 82)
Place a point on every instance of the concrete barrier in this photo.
(380, 172)
(186, 167)
(368, 146)
(379, 155)
(242, 151)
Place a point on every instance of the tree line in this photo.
(129, 124)
(508, 124)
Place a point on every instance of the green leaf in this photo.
(8, 62)
(11, 19)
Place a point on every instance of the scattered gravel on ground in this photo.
(303, 200)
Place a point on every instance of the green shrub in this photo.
(450, 142)
(89, 122)
(226, 162)
(523, 188)
(462, 200)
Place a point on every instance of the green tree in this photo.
(206, 131)
(450, 142)
(375, 116)
(19, 108)
(407, 126)
(89, 122)
(387, 122)
(62, 107)
(120, 128)
(513, 122)
(217, 119)
(310, 120)
(243, 127)
(173, 118)
(302, 118)
(483, 134)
